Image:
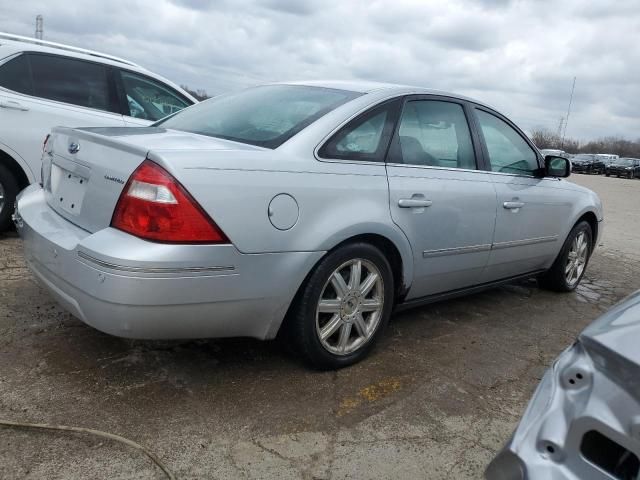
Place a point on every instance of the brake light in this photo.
(154, 206)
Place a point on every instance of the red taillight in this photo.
(154, 206)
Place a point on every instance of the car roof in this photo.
(362, 86)
(19, 43)
(12, 44)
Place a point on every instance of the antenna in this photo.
(39, 27)
(568, 112)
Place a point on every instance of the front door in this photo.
(532, 211)
(438, 197)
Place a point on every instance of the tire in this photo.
(344, 345)
(608, 174)
(556, 278)
(630, 175)
(8, 191)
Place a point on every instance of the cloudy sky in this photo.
(520, 56)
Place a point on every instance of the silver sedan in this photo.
(307, 211)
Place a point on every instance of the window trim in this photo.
(485, 150)
(122, 96)
(475, 141)
(393, 105)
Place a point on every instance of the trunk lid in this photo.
(85, 169)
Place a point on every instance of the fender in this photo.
(20, 161)
(390, 232)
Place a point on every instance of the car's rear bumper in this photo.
(129, 287)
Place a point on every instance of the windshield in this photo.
(265, 116)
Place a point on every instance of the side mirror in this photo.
(556, 166)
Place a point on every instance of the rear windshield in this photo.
(266, 116)
(627, 162)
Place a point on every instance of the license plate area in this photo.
(67, 189)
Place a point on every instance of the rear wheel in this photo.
(567, 271)
(343, 307)
(8, 192)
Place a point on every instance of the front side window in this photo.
(265, 116)
(365, 138)
(433, 133)
(149, 99)
(15, 75)
(71, 81)
(508, 151)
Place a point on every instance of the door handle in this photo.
(414, 203)
(513, 205)
(12, 105)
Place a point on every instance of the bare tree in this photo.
(199, 94)
(544, 138)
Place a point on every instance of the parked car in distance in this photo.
(44, 84)
(308, 209)
(587, 163)
(582, 421)
(554, 152)
(607, 158)
(624, 167)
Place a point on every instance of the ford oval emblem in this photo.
(74, 147)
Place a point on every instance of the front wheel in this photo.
(343, 307)
(569, 267)
(631, 175)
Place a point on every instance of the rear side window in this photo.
(149, 99)
(265, 116)
(508, 151)
(433, 133)
(71, 81)
(15, 75)
(366, 138)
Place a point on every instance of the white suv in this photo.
(44, 84)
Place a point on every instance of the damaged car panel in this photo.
(583, 420)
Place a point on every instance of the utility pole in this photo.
(560, 124)
(568, 112)
(39, 27)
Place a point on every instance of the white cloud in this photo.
(520, 56)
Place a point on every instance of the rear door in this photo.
(441, 200)
(531, 213)
(41, 91)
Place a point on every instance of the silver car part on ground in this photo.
(583, 421)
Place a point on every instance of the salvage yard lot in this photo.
(437, 399)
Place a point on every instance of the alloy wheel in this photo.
(577, 259)
(350, 307)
